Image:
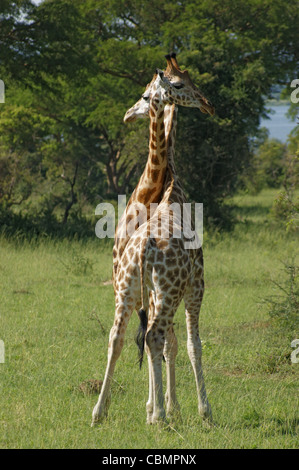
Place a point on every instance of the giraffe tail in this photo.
(140, 337)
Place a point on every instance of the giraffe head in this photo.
(142, 107)
(175, 87)
(183, 91)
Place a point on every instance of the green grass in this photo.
(55, 316)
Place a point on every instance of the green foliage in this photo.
(274, 165)
(20, 227)
(78, 265)
(286, 205)
(284, 304)
(269, 164)
(286, 210)
(72, 68)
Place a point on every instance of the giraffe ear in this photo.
(160, 73)
(169, 64)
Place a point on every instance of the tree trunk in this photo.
(73, 195)
(112, 176)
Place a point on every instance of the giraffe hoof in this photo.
(98, 415)
(205, 413)
(96, 420)
(149, 418)
(159, 419)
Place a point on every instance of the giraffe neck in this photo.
(170, 121)
(172, 190)
(151, 182)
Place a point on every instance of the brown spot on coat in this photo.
(154, 127)
(155, 175)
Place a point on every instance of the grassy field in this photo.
(56, 312)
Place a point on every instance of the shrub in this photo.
(286, 210)
(284, 304)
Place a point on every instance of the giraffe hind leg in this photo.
(195, 354)
(150, 401)
(116, 341)
(170, 353)
(155, 344)
(155, 341)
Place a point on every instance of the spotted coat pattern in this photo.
(156, 273)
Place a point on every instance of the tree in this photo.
(85, 62)
(268, 169)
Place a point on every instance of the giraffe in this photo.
(141, 110)
(164, 266)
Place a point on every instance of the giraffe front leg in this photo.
(155, 345)
(150, 402)
(195, 353)
(116, 341)
(170, 353)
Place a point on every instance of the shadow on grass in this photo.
(285, 426)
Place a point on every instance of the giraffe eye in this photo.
(146, 98)
(179, 85)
